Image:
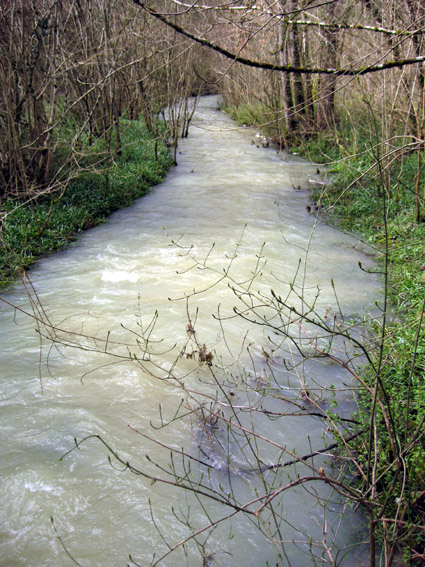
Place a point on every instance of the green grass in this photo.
(248, 114)
(358, 195)
(47, 224)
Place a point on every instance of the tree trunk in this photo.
(327, 83)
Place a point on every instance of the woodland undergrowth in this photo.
(353, 202)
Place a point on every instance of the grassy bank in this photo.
(101, 186)
(377, 193)
(381, 200)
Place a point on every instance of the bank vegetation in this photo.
(82, 130)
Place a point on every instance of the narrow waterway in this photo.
(121, 320)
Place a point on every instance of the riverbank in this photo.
(382, 202)
(34, 228)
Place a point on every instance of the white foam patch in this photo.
(116, 276)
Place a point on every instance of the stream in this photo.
(132, 335)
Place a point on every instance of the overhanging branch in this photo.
(284, 19)
(281, 68)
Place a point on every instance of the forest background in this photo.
(83, 132)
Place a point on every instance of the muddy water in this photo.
(116, 304)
